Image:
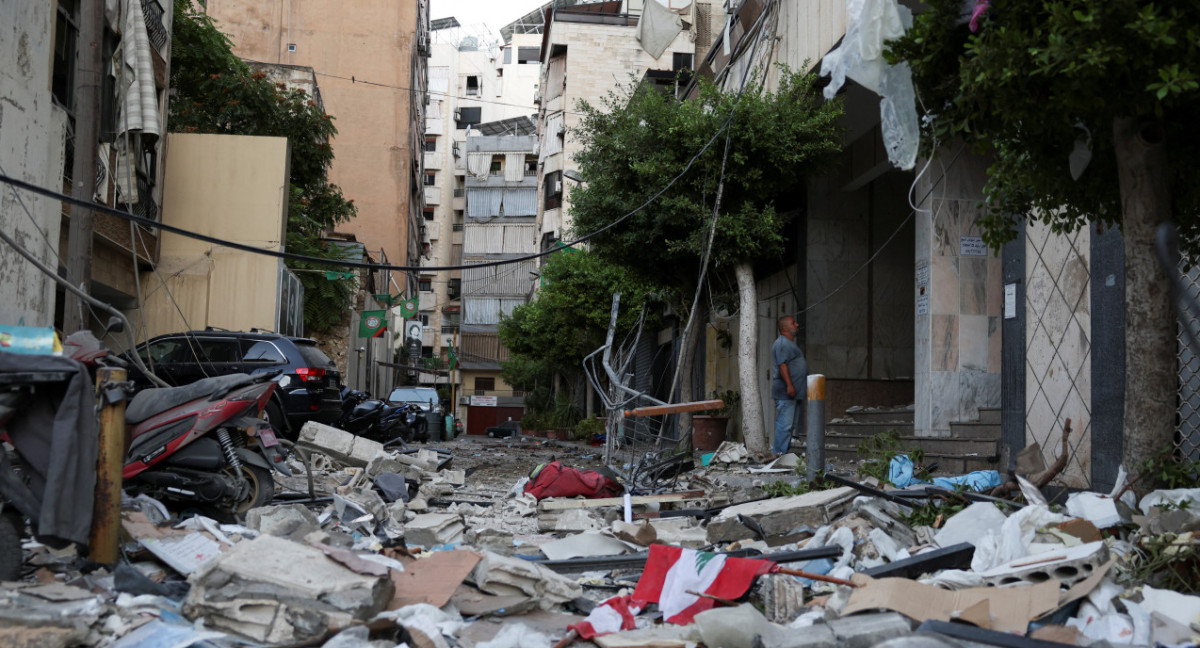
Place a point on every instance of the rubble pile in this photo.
(368, 547)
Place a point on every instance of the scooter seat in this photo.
(149, 402)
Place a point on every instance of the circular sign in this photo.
(410, 305)
(373, 322)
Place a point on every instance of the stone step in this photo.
(989, 415)
(944, 445)
(881, 415)
(975, 430)
(868, 429)
(949, 465)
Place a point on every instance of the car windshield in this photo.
(413, 395)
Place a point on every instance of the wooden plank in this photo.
(563, 504)
(678, 407)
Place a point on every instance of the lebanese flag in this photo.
(672, 571)
(613, 615)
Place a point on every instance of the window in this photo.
(508, 55)
(681, 61)
(428, 213)
(426, 352)
(530, 166)
(62, 83)
(552, 192)
(426, 285)
(472, 86)
(484, 385)
(529, 55)
(263, 352)
(469, 116)
(430, 179)
(430, 144)
(291, 47)
(453, 290)
(497, 165)
(423, 318)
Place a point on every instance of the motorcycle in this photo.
(368, 417)
(202, 443)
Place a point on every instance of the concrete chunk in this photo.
(778, 516)
(866, 630)
(277, 591)
(292, 521)
(501, 575)
(433, 529)
(341, 445)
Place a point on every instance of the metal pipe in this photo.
(814, 433)
(106, 511)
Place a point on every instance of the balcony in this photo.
(433, 160)
(433, 195)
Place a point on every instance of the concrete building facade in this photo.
(471, 82)
(589, 51)
(370, 63)
(40, 45)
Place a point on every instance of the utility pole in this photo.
(88, 75)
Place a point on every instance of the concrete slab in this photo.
(779, 515)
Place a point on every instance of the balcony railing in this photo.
(494, 392)
(457, 227)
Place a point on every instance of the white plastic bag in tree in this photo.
(870, 23)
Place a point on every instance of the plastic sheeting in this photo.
(860, 59)
(900, 473)
(657, 27)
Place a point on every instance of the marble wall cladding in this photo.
(972, 343)
(943, 345)
(958, 347)
(944, 295)
(1058, 355)
(972, 287)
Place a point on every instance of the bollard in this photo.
(815, 428)
(106, 511)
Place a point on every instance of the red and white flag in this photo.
(673, 571)
(613, 615)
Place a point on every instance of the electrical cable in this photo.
(390, 86)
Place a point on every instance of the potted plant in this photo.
(709, 426)
(588, 428)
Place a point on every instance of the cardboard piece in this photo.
(1082, 529)
(183, 551)
(1010, 609)
(432, 579)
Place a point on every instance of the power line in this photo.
(356, 80)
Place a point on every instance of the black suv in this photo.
(309, 387)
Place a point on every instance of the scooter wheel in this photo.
(261, 489)
(10, 548)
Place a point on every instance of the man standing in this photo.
(789, 381)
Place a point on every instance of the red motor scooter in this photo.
(201, 443)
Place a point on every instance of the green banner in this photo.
(409, 308)
(372, 323)
(453, 358)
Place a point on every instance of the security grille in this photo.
(1187, 436)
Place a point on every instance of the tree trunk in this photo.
(752, 414)
(1150, 341)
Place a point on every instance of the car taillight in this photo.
(310, 374)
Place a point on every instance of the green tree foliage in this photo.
(213, 91)
(1039, 76)
(637, 141)
(568, 320)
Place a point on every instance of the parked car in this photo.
(423, 396)
(309, 385)
(505, 429)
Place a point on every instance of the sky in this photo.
(493, 13)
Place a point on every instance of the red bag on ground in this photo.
(556, 480)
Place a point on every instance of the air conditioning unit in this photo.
(464, 400)
(558, 185)
(457, 115)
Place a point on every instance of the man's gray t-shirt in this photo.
(786, 351)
